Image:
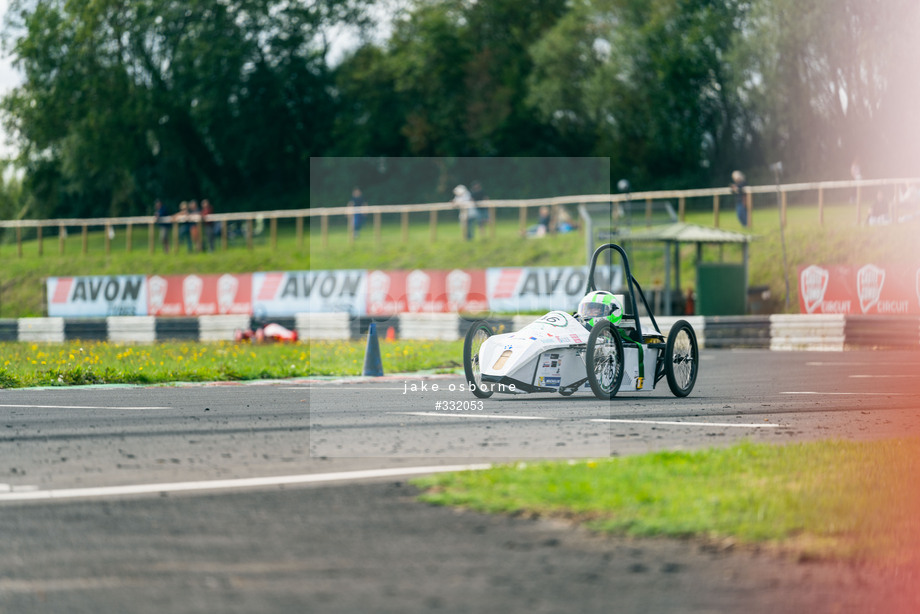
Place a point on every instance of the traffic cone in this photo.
(373, 366)
(391, 334)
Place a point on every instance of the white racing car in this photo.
(604, 347)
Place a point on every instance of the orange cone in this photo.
(391, 334)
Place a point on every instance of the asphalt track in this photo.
(263, 498)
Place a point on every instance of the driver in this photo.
(596, 306)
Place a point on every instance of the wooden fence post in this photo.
(299, 227)
(19, 241)
(433, 225)
(249, 234)
(84, 239)
(377, 223)
(681, 208)
(151, 238)
(108, 240)
(648, 212)
(128, 229)
(324, 230)
(224, 234)
(522, 219)
(62, 234)
(858, 204)
(749, 203)
(715, 210)
(405, 226)
(821, 206)
(41, 249)
(273, 233)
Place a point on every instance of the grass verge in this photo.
(65, 364)
(822, 499)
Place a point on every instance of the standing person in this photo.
(207, 227)
(161, 214)
(194, 216)
(357, 205)
(469, 214)
(738, 187)
(181, 218)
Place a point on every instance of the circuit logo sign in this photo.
(813, 282)
(870, 280)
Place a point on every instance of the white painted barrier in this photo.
(43, 330)
(221, 328)
(323, 326)
(441, 326)
(132, 329)
(814, 332)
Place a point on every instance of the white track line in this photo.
(465, 414)
(676, 423)
(211, 485)
(25, 406)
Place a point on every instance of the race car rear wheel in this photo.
(681, 358)
(475, 337)
(604, 360)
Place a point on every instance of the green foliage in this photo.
(125, 102)
(822, 498)
(84, 363)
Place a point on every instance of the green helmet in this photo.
(600, 305)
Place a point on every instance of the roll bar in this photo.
(632, 284)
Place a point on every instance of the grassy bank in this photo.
(28, 364)
(831, 498)
(839, 240)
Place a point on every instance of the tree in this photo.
(128, 100)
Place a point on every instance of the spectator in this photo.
(469, 214)
(564, 221)
(210, 229)
(541, 229)
(357, 205)
(194, 237)
(182, 219)
(161, 214)
(738, 187)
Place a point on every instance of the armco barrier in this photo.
(882, 332)
(738, 332)
(777, 332)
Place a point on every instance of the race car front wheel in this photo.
(475, 337)
(604, 360)
(681, 358)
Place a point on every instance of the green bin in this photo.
(720, 289)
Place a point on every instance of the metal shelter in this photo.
(673, 235)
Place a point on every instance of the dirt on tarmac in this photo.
(375, 548)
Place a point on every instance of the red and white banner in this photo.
(286, 293)
(512, 290)
(426, 291)
(869, 289)
(196, 295)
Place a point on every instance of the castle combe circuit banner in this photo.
(869, 289)
(357, 292)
